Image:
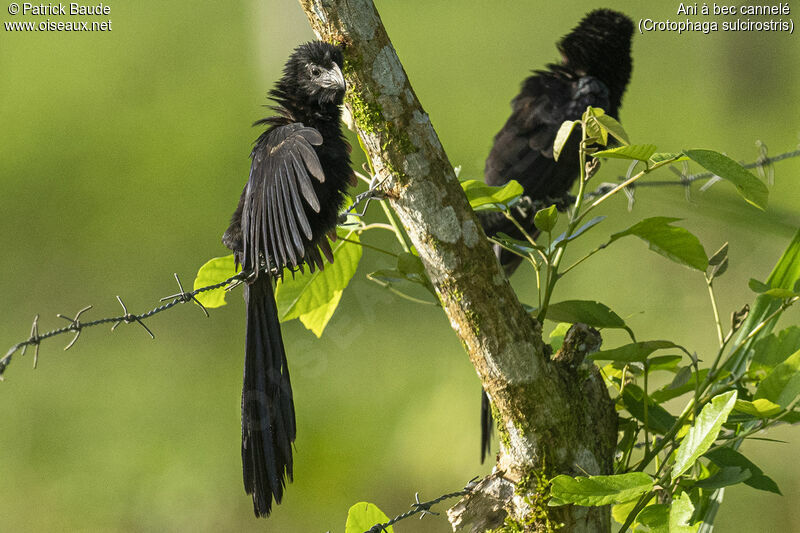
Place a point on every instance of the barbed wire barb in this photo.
(74, 325)
(34, 339)
(185, 297)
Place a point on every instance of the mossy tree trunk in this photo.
(554, 415)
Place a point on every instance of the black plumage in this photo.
(594, 71)
(299, 175)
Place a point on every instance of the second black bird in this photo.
(299, 173)
(594, 71)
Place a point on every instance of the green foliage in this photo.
(486, 197)
(310, 296)
(704, 432)
(313, 296)
(672, 242)
(680, 515)
(599, 490)
(545, 219)
(212, 272)
(634, 352)
(782, 384)
(725, 457)
(362, 516)
(639, 152)
(750, 187)
(562, 136)
(587, 312)
(751, 384)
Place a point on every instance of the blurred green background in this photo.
(122, 157)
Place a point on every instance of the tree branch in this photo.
(551, 419)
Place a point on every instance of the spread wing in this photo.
(279, 194)
(523, 149)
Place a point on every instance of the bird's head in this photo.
(314, 74)
(600, 46)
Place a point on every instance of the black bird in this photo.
(594, 71)
(299, 174)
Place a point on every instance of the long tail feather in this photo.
(486, 426)
(268, 421)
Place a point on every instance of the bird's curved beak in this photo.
(334, 79)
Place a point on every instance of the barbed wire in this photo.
(424, 507)
(76, 326)
(685, 179)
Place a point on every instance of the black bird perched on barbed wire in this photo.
(594, 71)
(299, 174)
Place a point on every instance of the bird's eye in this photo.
(315, 71)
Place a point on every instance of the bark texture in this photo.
(554, 414)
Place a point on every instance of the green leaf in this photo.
(750, 187)
(522, 248)
(729, 475)
(774, 349)
(558, 334)
(621, 511)
(387, 275)
(562, 136)
(613, 127)
(545, 219)
(757, 286)
(680, 515)
(655, 517)
(760, 408)
(727, 457)
(663, 156)
(718, 262)
(214, 271)
(659, 419)
(672, 390)
(780, 294)
(588, 312)
(704, 432)
(636, 351)
(665, 362)
(719, 256)
(672, 242)
(594, 128)
(362, 516)
(599, 490)
(589, 225)
(640, 152)
(410, 264)
(316, 319)
(313, 297)
(485, 196)
(782, 384)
